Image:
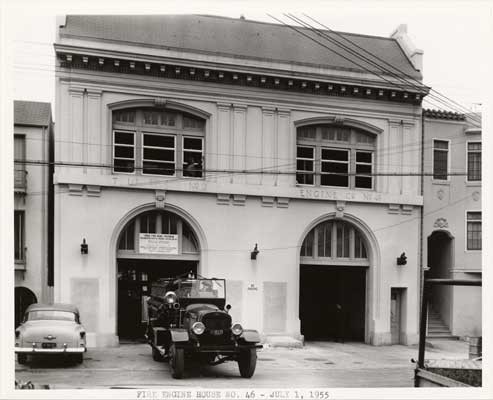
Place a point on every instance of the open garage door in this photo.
(332, 302)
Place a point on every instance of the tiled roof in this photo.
(233, 37)
(32, 113)
(439, 114)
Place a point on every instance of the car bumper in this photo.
(232, 349)
(30, 350)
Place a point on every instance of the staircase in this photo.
(436, 328)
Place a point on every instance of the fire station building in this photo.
(240, 150)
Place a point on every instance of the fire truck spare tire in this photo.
(247, 361)
(177, 362)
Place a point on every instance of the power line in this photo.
(389, 64)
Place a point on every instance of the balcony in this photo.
(20, 180)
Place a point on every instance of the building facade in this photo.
(32, 129)
(452, 229)
(184, 142)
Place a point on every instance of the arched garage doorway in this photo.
(154, 244)
(333, 282)
(24, 297)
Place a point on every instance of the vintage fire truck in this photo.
(188, 320)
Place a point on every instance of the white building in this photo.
(452, 229)
(32, 129)
(224, 134)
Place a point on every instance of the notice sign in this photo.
(158, 243)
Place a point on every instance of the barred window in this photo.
(440, 159)
(474, 161)
(337, 156)
(474, 230)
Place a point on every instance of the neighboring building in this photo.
(452, 228)
(32, 129)
(182, 142)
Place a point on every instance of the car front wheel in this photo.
(177, 362)
(22, 358)
(247, 361)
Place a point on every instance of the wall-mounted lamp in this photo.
(402, 259)
(84, 247)
(253, 254)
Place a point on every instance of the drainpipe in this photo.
(421, 214)
(51, 208)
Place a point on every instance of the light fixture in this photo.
(84, 247)
(253, 254)
(402, 259)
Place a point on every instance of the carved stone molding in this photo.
(268, 110)
(340, 206)
(441, 223)
(440, 194)
(239, 199)
(223, 106)
(282, 202)
(267, 201)
(407, 209)
(160, 198)
(476, 195)
(75, 189)
(241, 108)
(223, 199)
(394, 209)
(93, 190)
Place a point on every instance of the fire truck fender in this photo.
(250, 335)
(179, 335)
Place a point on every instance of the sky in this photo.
(453, 35)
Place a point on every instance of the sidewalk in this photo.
(322, 364)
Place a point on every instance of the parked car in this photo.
(53, 329)
(189, 319)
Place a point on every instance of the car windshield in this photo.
(202, 288)
(51, 314)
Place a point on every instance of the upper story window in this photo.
(440, 159)
(19, 167)
(331, 155)
(474, 230)
(19, 238)
(151, 141)
(473, 161)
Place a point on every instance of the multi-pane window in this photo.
(192, 156)
(440, 159)
(337, 156)
(19, 240)
(305, 165)
(154, 141)
(124, 151)
(334, 240)
(158, 222)
(474, 161)
(158, 154)
(19, 157)
(474, 230)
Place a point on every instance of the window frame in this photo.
(20, 242)
(201, 151)
(313, 173)
(123, 158)
(351, 145)
(177, 131)
(142, 147)
(480, 221)
(467, 161)
(447, 172)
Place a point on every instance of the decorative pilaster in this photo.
(284, 147)
(268, 146)
(93, 133)
(239, 142)
(76, 120)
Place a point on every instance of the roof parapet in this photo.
(414, 54)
